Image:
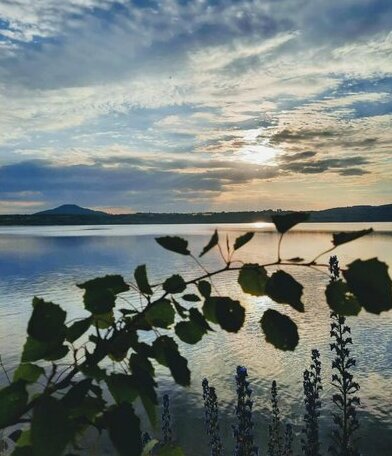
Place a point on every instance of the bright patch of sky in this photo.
(195, 105)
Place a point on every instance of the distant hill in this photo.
(70, 214)
(70, 209)
(354, 214)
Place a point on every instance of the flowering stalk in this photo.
(243, 432)
(312, 388)
(275, 438)
(211, 413)
(288, 441)
(345, 399)
(166, 420)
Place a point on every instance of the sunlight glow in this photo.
(253, 151)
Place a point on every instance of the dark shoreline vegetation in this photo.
(86, 374)
(56, 217)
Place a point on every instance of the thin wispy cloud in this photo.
(192, 104)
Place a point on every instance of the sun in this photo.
(255, 152)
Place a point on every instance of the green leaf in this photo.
(24, 438)
(204, 288)
(142, 375)
(189, 332)
(341, 300)
(29, 373)
(104, 321)
(13, 400)
(252, 279)
(161, 314)
(99, 301)
(167, 354)
(369, 281)
(285, 222)
(342, 238)
(77, 329)
(191, 297)
(114, 283)
(124, 430)
(279, 330)
(142, 280)
(100, 293)
(229, 314)
(46, 321)
(33, 350)
(242, 240)
(211, 244)
(50, 428)
(283, 288)
(174, 244)
(174, 284)
(77, 393)
(192, 331)
(170, 450)
(122, 388)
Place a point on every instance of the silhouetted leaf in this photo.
(174, 284)
(204, 288)
(105, 320)
(33, 350)
(167, 354)
(174, 243)
(13, 400)
(77, 329)
(77, 393)
(242, 240)
(191, 297)
(114, 283)
(122, 388)
(279, 330)
(283, 288)
(160, 314)
(181, 310)
(211, 244)
(252, 279)
(99, 301)
(342, 238)
(100, 293)
(29, 373)
(188, 332)
(46, 321)
(369, 281)
(295, 259)
(142, 375)
(124, 430)
(192, 331)
(229, 314)
(142, 280)
(285, 222)
(341, 300)
(50, 427)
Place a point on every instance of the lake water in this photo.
(49, 261)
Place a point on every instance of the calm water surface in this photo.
(49, 261)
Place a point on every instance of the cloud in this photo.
(188, 84)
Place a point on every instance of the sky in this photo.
(195, 105)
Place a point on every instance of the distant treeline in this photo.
(344, 214)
